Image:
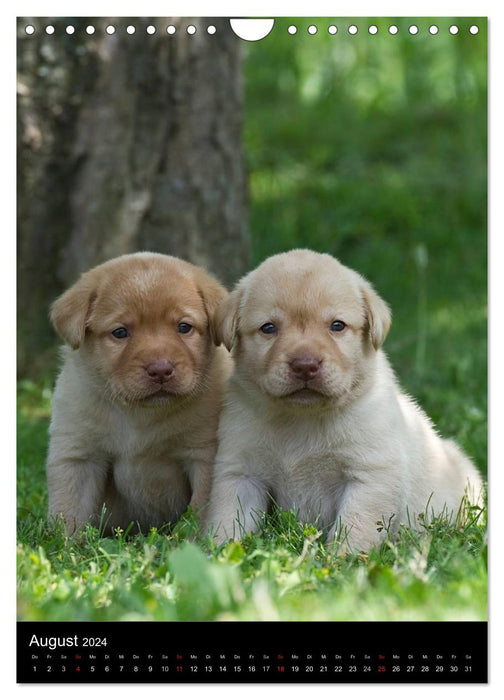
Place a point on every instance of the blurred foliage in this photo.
(373, 148)
(357, 140)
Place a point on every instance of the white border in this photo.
(191, 8)
(261, 8)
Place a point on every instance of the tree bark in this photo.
(125, 142)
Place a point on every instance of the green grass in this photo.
(285, 572)
(372, 149)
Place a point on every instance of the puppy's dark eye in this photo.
(120, 333)
(184, 328)
(268, 328)
(338, 326)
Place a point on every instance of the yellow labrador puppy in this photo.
(314, 419)
(136, 406)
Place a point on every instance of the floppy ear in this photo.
(212, 294)
(377, 315)
(70, 312)
(226, 319)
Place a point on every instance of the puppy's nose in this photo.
(305, 368)
(160, 371)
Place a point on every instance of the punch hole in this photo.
(151, 29)
(30, 29)
(433, 29)
(332, 29)
(393, 29)
(130, 29)
(211, 29)
(413, 29)
(252, 29)
(110, 29)
(171, 29)
(312, 29)
(191, 29)
(454, 29)
(474, 29)
(70, 29)
(90, 29)
(292, 29)
(373, 29)
(49, 29)
(352, 29)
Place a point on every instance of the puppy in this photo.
(314, 419)
(136, 406)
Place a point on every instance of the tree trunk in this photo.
(125, 142)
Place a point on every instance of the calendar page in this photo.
(252, 358)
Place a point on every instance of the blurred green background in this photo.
(373, 148)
